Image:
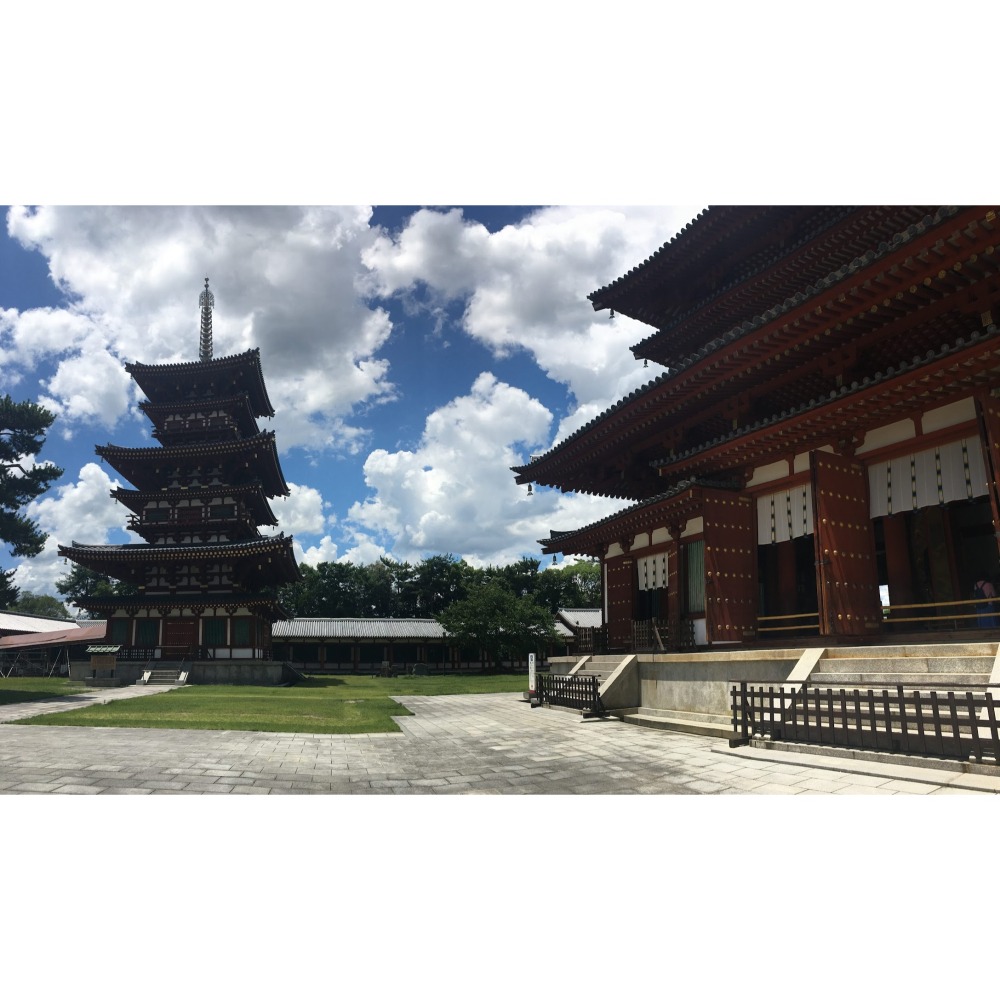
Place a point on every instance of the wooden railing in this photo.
(571, 691)
(592, 640)
(930, 723)
(660, 635)
(806, 622)
(982, 612)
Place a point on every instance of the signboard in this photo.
(531, 675)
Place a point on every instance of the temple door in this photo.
(180, 632)
(620, 603)
(730, 567)
(847, 572)
(989, 415)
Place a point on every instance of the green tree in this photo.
(81, 583)
(22, 433)
(572, 585)
(498, 621)
(438, 581)
(40, 604)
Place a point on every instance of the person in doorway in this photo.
(984, 591)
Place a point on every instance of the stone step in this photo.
(681, 722)
(932, 650)
(890, 678)
(908, 664)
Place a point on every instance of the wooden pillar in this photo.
(988, 410)
(675, 584)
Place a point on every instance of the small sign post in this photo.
(531, 677)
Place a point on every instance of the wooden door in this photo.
(847, 573)
(730, 567)
(620, 602)
(180, 633)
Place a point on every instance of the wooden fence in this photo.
(580, 692)
(943, 724)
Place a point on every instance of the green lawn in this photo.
(318, 705)
(16, 689)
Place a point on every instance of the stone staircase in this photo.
(951, 666)
(601, 665)
(165, 673)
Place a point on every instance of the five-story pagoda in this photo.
(204, 577)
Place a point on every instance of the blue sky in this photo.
(412, 355)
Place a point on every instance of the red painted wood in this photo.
(730, 567)
(845, 547)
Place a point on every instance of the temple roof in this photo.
(223, 377)
(131, 558)
(735, 262)
(146, 468)
(136, 500)
(866, 320)
(236, 406)
(681, 501)
(256, 601)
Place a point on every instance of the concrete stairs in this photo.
(165, 673)
(602, 666)
(951, 666)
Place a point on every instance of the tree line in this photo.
(391, 589)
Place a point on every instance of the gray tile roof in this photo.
(358, 628)
(14, 621)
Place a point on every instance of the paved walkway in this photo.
(486, 744)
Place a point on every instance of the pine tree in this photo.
(22, 433)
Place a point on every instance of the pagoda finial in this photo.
(207, 302)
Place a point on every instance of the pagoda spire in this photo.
(207, 301)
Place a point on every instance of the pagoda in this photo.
(817, 456)
(204, 577)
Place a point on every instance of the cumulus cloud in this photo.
(300, 512)
(82, 511)
(525, 287)
(454, 492)
(284, 280)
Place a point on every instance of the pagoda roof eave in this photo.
(148, 376)
(143, 551)
(136, 500)
(135, 602)
(126, 460)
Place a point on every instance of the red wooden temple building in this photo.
(204, 577)
(817, 456)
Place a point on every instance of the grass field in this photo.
(317, 705)
(17, 689)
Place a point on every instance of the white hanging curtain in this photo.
(652, 571)
(785, 515)
(953, 471)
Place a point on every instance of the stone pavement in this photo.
(456, 744)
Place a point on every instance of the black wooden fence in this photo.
(580, 692)
(944, 724)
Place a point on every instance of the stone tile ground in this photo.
(452, 745)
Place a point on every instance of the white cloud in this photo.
(325, 551)
(82, 511)
(455, 493)
(301, 512)
(284, 280)
(526, 286)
